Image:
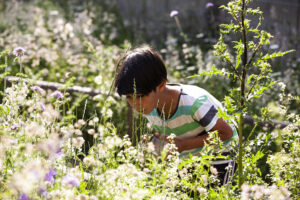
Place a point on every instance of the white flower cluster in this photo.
(264, 192)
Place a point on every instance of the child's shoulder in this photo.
(193, 91)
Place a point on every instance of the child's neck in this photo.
(168, 100)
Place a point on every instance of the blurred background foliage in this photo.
(77, 42)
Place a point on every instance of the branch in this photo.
(56, 86)
(234, 69)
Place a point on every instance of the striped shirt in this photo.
(195, 115)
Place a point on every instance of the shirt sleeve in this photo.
(204, 111)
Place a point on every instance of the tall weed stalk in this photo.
(247, 62)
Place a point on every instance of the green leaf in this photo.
(4, 110)
(2, 66)
(240, 47)
(212, 72)
(276, 54)
(257, 156)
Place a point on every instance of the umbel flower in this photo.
(19, 51)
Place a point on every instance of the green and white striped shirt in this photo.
(196, 114)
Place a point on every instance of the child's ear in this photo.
(161, 87)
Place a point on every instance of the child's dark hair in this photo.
(141, 68)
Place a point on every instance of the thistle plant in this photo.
(250, 65)
(247, 62)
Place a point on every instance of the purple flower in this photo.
(71, 181)
(23, 197)
(173, 13)
(50, 176)
(58, 94)
(37, 88)
(43, 193)
(19, 51)
(42, 106)
(208, 5)
(14, 126)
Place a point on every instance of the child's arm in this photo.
(224, 131)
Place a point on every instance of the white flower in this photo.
(77, 132)
(98, 80)
(150, 147)
(77, 142)
(173, 13)
(27, 179)
(282, 85)
(89, 161)
(83, 197)
(34, 129)
(202, 190)
(204, 179)
(213, 170)
(96, 119)
(91, 131)
(112, 141)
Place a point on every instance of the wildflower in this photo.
(173, 13)
(89, 161)
(78, 142)
(91, 131)
(43, 193)
(77, 132)
(96, 119)
(19, 51)
(34, 129)
(79, 123)
(213, 170)
(282, 85)
(183, 173)
(150, 147)
(208, 5)
(83, 197)
(24, 197)
(14, 126)
(204, 179)
(201, 190)
(112, 142)
(98, 80)
(72, 181)
(58, 94)
(43, 106)
(37, 88)
(50, 176)
(93, 197)
(171, 138)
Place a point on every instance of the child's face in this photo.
(142, 103)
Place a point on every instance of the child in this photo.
(185, 110)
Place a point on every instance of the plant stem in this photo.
(5, 61)
(242, 96)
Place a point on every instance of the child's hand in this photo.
(159, 142)
(163, 139)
